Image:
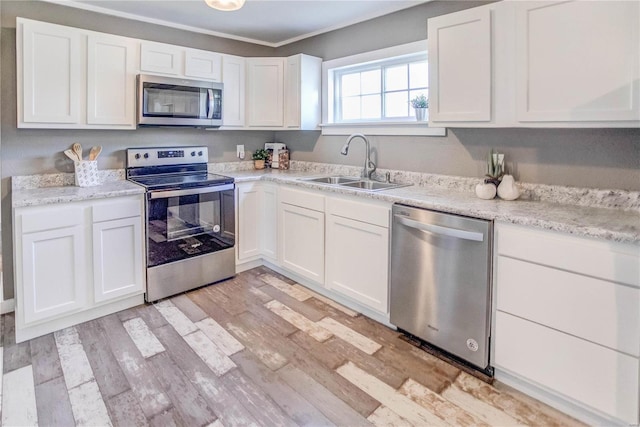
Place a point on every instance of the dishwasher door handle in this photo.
(437, 229)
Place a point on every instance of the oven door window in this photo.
(188, 226)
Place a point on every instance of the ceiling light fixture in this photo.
(226, 5)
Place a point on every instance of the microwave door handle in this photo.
(210, 100)
(437, 229)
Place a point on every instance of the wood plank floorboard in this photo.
(255, 350)
(53, 405)
(45, 359)
(15, 356)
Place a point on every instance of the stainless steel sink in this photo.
(332, 179)
(373, 185)
(355, 183)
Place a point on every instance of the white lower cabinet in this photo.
(257, 221)
(76, 261)
(301, 233)
(357, 251)
(567, 319)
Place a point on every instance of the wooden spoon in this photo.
(77, 149)
(70, 154)
(95, 152)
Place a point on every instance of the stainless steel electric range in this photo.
(190, 219)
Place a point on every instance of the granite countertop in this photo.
(68, 193)
(603, 223)
(565, 209)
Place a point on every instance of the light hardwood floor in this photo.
(256, 350)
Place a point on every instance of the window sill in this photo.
(386, 128)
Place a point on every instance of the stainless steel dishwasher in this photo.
(441, 281)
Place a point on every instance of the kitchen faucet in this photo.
(369, 166)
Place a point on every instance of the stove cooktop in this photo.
(180, 181)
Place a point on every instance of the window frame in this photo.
(379, 127)
(381, 65)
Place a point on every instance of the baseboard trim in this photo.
(7, 306)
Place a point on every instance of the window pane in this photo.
(419, 74)
(351, 108)
(370, 82)
(396, 78)
(396, 104)
(371, 107)
(350, 84)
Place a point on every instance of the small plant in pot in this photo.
(420, 104)
(259, 156)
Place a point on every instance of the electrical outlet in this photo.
(240, 151)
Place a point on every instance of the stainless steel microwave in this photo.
(169, 101)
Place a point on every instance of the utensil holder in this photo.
(86, 173)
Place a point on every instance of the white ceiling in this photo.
(267, 22)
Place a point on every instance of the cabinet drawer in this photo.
(617, 262)
(108, 210)
(49, 218)
(369, 212)
(588, 373)
(304, 199)
(593, 309)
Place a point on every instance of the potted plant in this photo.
(259, 156)
(420, 103)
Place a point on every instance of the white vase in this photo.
(486, 191)
(508, 190)
(421, 114)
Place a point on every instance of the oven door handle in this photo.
(190, 191)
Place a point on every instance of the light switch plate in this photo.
(240, 151)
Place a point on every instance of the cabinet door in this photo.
(301, 241)
(160, 58)
(118, 261)
(578, 61)
(265, 92)
(52, 272)
(203, 65)
(585, 372)
(50, 71)
(292, 92)
(249, 221)
(111, 75)
(269, 209)
(358, 261)
(460, 59)
(233, 77)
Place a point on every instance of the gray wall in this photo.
(602, 158)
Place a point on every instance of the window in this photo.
(379, 91)
(370, 92)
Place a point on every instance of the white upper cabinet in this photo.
(460, 86)
(74, 79)
(578, 61)
(233, 100)
(111, 73)
(302, 77)
(49, 73)
(536, 64)
(203, 65)
(161, 58)
(265, 92)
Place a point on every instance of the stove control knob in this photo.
(137, 156)
(146, 155)
(199, 153)
(193, 153)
